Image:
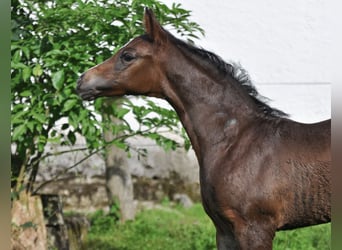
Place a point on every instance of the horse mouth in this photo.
(87, 95)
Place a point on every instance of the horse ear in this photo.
(153, 28)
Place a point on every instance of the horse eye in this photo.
(127, 57)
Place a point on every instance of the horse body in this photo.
(259, 171)
(260, 193)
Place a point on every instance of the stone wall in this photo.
(157, 176)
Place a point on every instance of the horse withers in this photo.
(259, 170)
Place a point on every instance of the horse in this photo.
(260, 171)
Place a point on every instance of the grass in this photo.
(308, 238)
(184, 229)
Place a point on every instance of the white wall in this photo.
(277, 41)
(286, 46)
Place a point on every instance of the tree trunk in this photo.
(118, 177)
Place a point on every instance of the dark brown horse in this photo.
(259, 171)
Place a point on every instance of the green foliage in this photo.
(101, 223)
(308, 238)
(53, 42)
(170, 228)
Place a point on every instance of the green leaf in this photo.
(26, 52)
(30, 126)
(69, 104)
(37, 70)
(73, 119)
(39, 117)
(72, 137)
(18, 116)
(26, 93)
(85, 127)
(41, 143)
(18, 132)
(16, 56)
(122, 112)
(84, 114)
(26, 73)
(17, 65)
(65, 126)
(58, 79)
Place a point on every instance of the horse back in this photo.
(307, 142)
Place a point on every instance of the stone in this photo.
(183, 200)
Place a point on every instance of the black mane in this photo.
(236, 72)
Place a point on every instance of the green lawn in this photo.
(179, 228)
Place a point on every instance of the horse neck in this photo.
(212, 111)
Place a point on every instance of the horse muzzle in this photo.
(91, 88)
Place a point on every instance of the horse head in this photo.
(134, 69)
